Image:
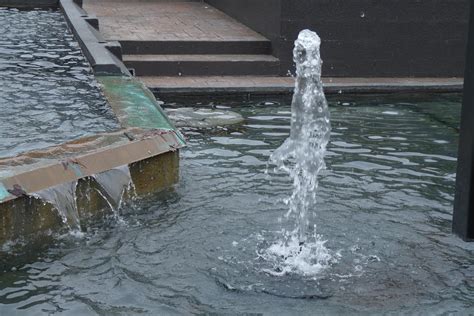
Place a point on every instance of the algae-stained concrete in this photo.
(133, 104)
(28, 218)
(148, 144)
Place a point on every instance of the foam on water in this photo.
(308, 259)
(302, 157)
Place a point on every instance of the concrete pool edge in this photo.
(99, 52)
(147, 142)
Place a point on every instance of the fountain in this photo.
(302, 157)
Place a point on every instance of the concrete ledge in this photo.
(139, 146)
(148, 143)
(30, 220)
(258, 85)
(93, 46)
(196, 47)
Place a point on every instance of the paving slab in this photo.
(166, 20)
(261, 84)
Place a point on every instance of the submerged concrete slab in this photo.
(133, 104)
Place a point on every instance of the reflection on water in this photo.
(385, 204)
(48, 94)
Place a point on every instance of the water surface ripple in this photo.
(385, 208)
(48, 94)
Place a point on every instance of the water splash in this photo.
(63, 198)
(115, 182)
(302, 157)
(291, 256)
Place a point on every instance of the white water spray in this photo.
(302, 157)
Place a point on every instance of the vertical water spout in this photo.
(302, 154)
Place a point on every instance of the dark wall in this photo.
(463, 215)
(382, 38)
(29, 4)
(365, 37)
(262, 16)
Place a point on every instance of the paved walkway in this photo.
(165, 21)
(260, 84)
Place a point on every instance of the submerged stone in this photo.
(203, 118)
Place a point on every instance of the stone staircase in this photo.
(200, 57)
(181, 39)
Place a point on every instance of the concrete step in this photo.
(205, 85)
(246, 85)
(202, 65)
(196, 47)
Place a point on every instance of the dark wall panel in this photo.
(365, 37)
(381, 38)
(262, 16)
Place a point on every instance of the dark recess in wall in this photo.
(365, 38)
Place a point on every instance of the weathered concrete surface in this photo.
(155, 174)
(132, 147)
(148, 143)
(28, 219)
(133, 104)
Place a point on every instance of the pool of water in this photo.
(48, 94)
(384, 207)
